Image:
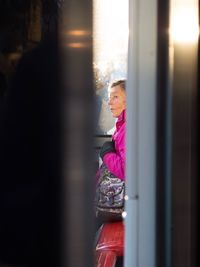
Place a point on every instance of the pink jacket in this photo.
(115, 161)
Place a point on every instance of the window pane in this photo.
(110, 54)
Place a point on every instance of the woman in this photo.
(113, 153)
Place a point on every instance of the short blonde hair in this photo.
(121, 83)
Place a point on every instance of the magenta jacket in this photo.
(115, 161)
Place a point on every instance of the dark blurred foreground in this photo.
(45, 135)
(29, 160)
(29, 147)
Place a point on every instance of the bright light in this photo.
(110, 33)
(126, 197)
(124, 214)
(184, 21)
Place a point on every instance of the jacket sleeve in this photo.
(115, 161)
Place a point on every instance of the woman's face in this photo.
(117, 100)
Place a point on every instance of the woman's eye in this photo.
(112, 98)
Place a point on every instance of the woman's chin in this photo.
(114, 115)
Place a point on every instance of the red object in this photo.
(110, 244)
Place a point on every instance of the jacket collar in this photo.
(121, 119)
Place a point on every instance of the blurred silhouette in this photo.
(29, 161)
(3, 87)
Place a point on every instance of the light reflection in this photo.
(77, 38)
(77, 45)
(126, 197)
(184, 21)
(124, 214)
(78, 33)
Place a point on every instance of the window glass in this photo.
(110, 55)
